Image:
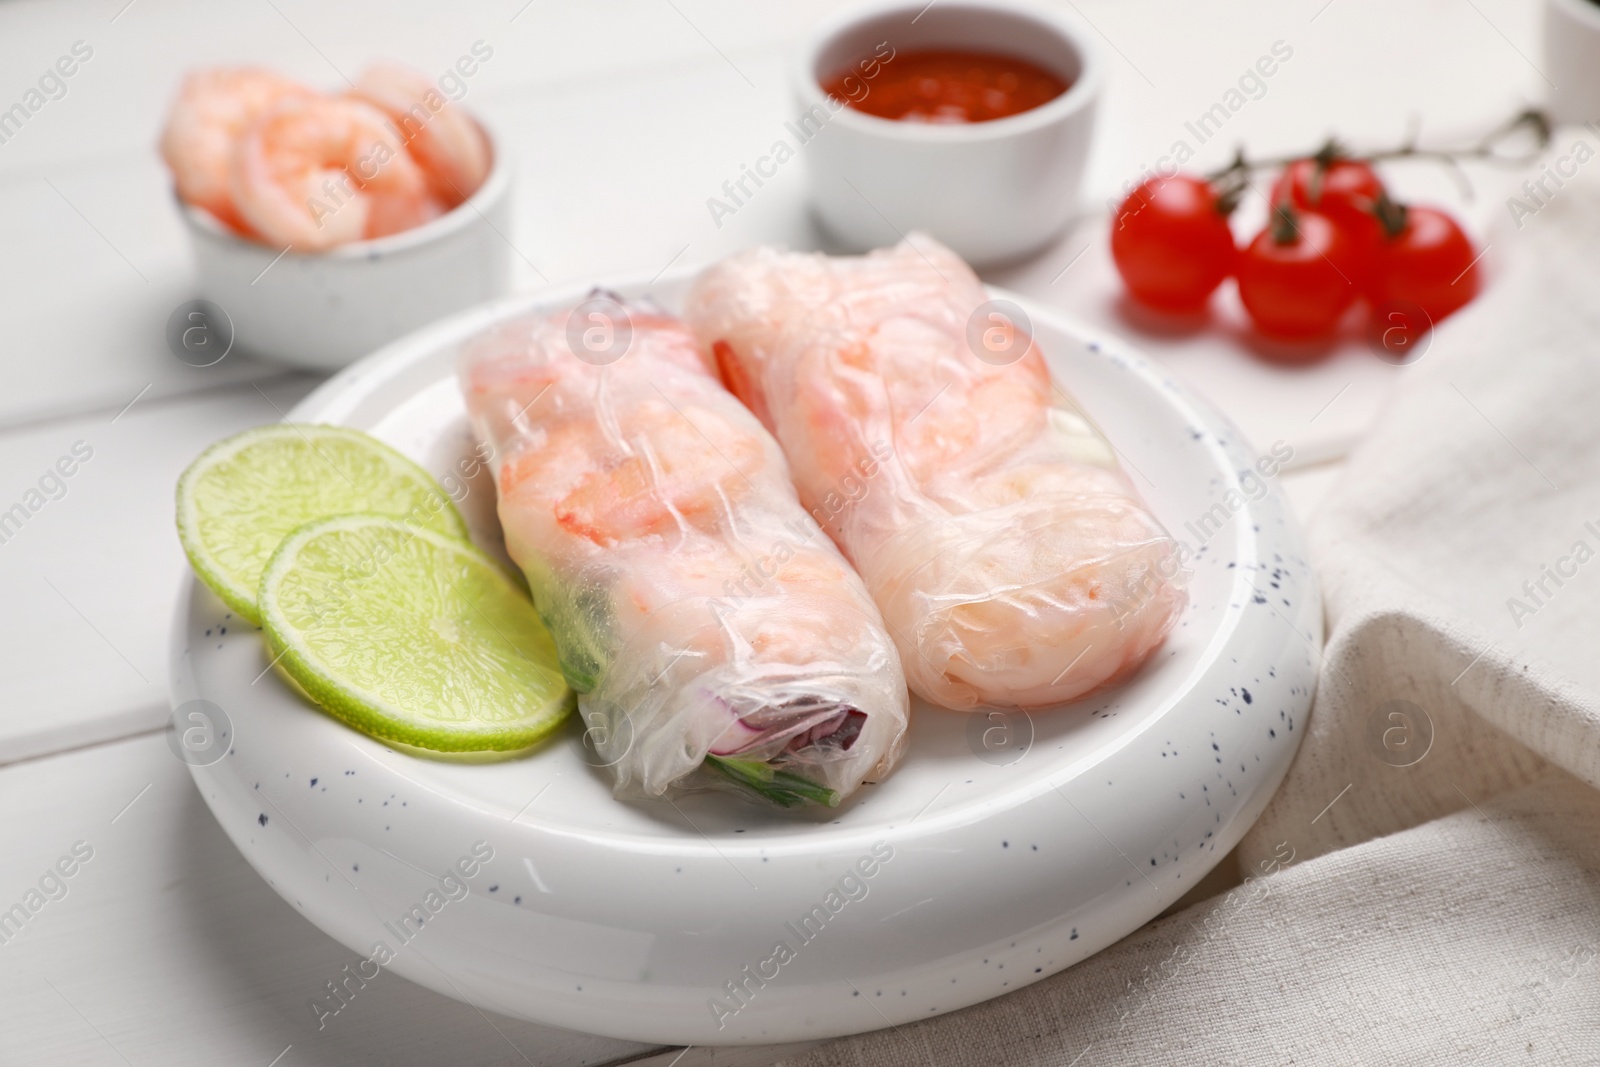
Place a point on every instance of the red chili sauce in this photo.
(948, 87)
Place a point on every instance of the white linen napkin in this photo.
(1425, 886)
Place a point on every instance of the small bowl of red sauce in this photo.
(967, 120)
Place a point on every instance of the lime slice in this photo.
(411, 636)
(242, 496)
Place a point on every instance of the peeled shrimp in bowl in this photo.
(272, 159)
(214, 107)
(447, 144)
(318, 172)
(322, 223)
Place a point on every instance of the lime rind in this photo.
(241, 496)
(412, 637)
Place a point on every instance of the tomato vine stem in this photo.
(1533, 123)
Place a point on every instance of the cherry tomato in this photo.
(1172, 244)
(1346, 191)
(1430, 263)
(1299, 275)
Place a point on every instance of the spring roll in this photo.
(712, 631)
(1013, 561)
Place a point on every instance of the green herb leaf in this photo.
(767, 781)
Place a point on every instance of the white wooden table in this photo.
(624, 117)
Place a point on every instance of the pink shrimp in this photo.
(1012, 560)
(446, 142)
(662, 476)
(308, 172)
(213, 109)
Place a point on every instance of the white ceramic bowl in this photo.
(1572, 59)
(992, 191)
(324, 310)
(1003, 849)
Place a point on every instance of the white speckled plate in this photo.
(1001, 851)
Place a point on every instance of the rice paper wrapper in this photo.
(713, 632)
